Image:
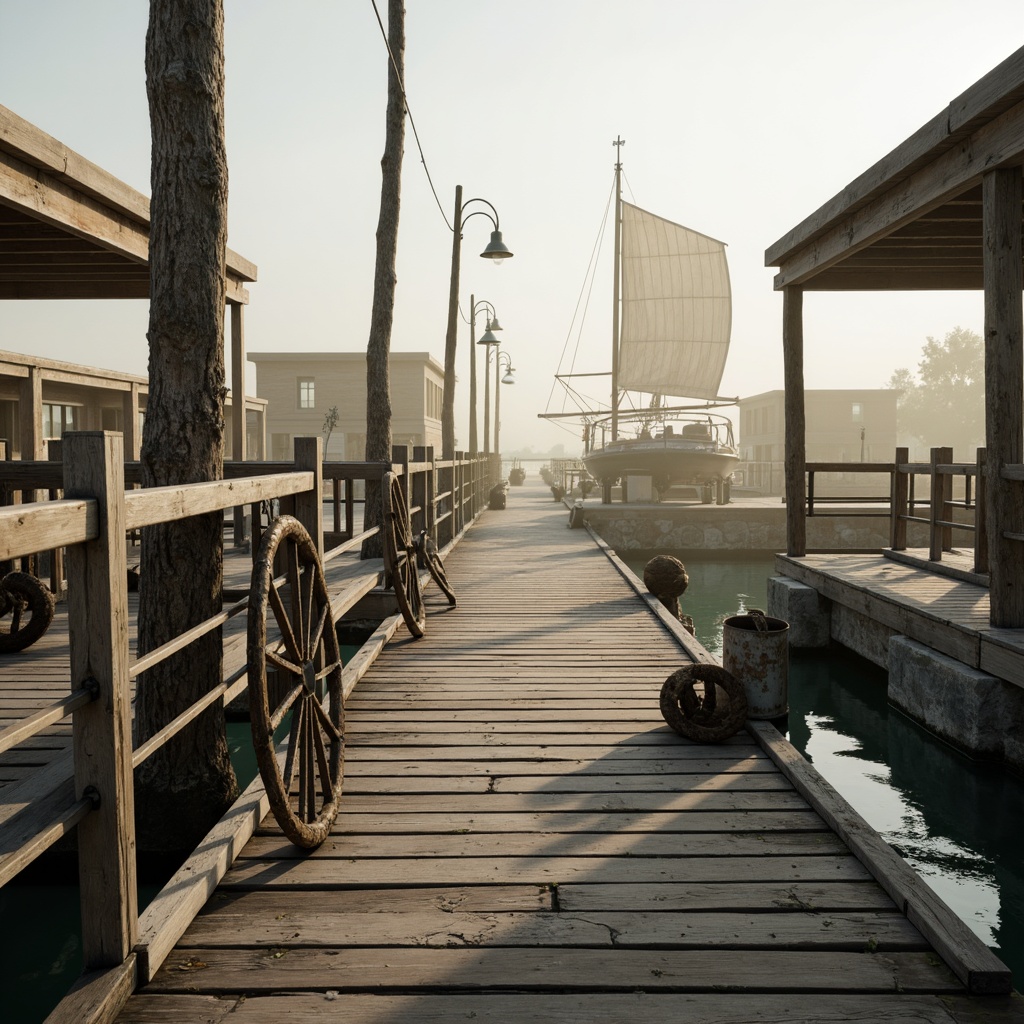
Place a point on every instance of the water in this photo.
(955, 820)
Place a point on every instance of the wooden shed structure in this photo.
(70, 230)
(942, 211)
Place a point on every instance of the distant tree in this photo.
(378, 347)
(330, 422)
(944, 404)
(186, 785)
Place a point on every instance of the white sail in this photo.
(676, 308)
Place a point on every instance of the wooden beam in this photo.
(98, 628)
(796, 442)
(953, 172)
(1000, 89)
(1004, 385)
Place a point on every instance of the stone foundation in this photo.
(976, 712)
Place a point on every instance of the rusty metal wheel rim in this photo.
(704, 716)
(305, 657)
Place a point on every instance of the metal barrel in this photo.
(759, 659)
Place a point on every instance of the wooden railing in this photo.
(91, 522)
(947, 486)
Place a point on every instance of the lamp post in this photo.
(490, 341)
(496, 251)
(492, 325)
(507, 379)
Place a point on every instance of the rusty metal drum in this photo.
(755, 649)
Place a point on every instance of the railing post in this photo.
(98, 630)
(53, 453)
(946, 456)
(309, 506)
(980, 516)
(400, 457)
(419, 491)
(900, 489)
(935, 508)
(430, 496)
(459, 493)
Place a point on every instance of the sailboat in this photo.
(670, 339)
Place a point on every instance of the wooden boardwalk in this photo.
(523, 840)
(948, 614)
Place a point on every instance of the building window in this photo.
(434, 398)
(307, 393)
(57, 419)
(858, 412)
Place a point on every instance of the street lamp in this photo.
(492, 325)
(496, 251)
(507, 379)
(489, 340)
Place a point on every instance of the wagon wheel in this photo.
(400, 555)
(305, 682)
(428, 558)
(26, 611)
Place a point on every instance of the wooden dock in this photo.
(522, 839)
(937, 604)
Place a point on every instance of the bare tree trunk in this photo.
(187, 785)
(378, 348)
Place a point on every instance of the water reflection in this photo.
(956, 821)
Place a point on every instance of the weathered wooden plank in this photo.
(310, 925)
(327, 874)
(351, 821)
(571, 1008)
(560, 844)
(265, 970)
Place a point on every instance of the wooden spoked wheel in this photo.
(400, 555)
(295, 684)
(428, 558)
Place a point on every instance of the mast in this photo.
(618, 144)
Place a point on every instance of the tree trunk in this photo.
(184, 788)
(378, 348)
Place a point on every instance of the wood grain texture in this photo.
(544, 848)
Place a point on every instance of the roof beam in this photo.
(999, 143)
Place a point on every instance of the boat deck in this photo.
(522, 839)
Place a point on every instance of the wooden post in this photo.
(980, 518)
(1004, 384)
(309, 508)
(130, 417)
(419, 491)
(796, 442)
(238, 452)
(946, 491)
(98, 630)
(935, 508)
(400, 457)
(53, 453)
(898, 502)
(430, 509)
(458, 484)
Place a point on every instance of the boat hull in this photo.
(679, 459)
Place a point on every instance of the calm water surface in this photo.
(956, 821)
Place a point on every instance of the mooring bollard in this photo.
(755, 649)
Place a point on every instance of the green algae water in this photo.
(956, 821)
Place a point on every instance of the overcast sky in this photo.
(740, 118)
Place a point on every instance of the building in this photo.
(841, 426)
(42, 398)
(302, 387)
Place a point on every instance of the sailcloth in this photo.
(676, 308)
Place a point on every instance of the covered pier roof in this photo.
(914, 219)
(70, 230)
